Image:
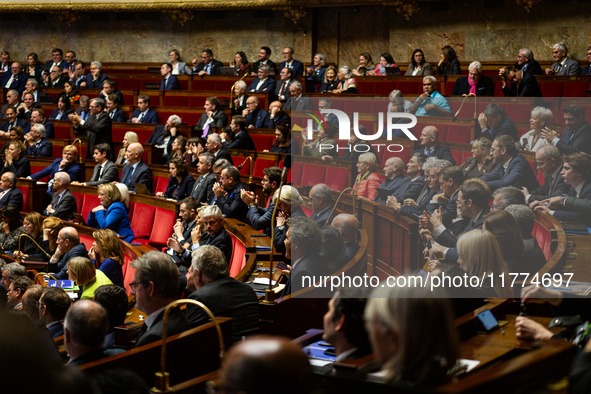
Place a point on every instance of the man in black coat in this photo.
(10, 195)
(526, 62)
(227, 194)
(522, 84)
(208, 65)
(576, 136)
(202, 191)
(264, 54)
(63, 203)
(136, 171)
(210, 282)
(68, 247)
(215, 147)
(430, 147)
(98, 127)
(256, 117)
(484, 84)
(213, 117)
(277, 115)
(548, 160)
(242, 140)
(115, 113)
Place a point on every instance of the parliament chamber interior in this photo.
(292, 195)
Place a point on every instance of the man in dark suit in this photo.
(563, 65)
(213, 117)
(95, 79)
(181, 232)
(155, 285)
(68, 247)
(428, 139)
(105, 170)
(15, 79)
(415, 208)
(450, 180)
(136, 171)
(57, 59)
(277, 115)
(63, 203)
(98, 127)
(576, 136)
(549, 160)
(393, 170)
(202, 191)
(522, 84)
(79, 74)
(320, 200)
(533, 257)
(210, 283)
(348, 226)
(53, 305)
(12, 121)
(512, 168)
(115, 113)
(587, 69)
(83, 109)
(412, 185)
(38, 117)
(282, 86)
(297, 101)
(214, 145)
(227, 194)
(144, 114)
(259, 217)
(465, 85)
(169, 81)
(55, 79)
(208, 65)
(526, 62)
(255, 116)
(109, 88)
(24, 109)
(494, 122)
(242, 140)
(10, 195)
(289, 62)
(85, 327)
(264, 54)
(12, 101)
(263, 83)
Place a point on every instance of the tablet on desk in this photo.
(140, 188)
(393, 71)
(383, 193)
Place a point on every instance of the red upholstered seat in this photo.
(449, 87)
(36, 169)
(499, 89)
(196, 101)
(61, 132)
(365, 87)
(336, 178)
(128, 275)
(360, 106)
(409, 87)
(313, 174)
(79, 198)
(260, 165)
(465, 155)
(379, 106)
(142, 220)
(552, 89)
(176, 101)
(518, 112)
(161, 183)
(88, 203)
(130, 84)
(542, 235)
(457, 133)
(238, 257)
(457, 155)
(56, 151)
(203, 84)
(87, 241)
(262, 142)
(25, 191)
(237, 160)
(307, 211)
(575, 89)
(223, 85)
(160, 233)
(384, 87)
(404, 155)
(295, 172)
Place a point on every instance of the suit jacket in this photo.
(586, 70)
(79, 113)
(298, 104)
(42, 148)
(310, 266)
(451, 235)
(98, 129)
(222, 240)
(232, 205)
(184, 189)
(150, 117)
(227, 297)
(73, 169)
(18, 83)
(219, 120)
(216, 67)
(533, 257)
(470, 168)
(116, 93)
(224, 154)
(17, 122)
(20, 167)
(58, 83)
(242, 140)
(578, 140)
(557, 186)
(118, 115)
(278, 85)
(13, 198)
(527, 88)
(257, 64)
(506, 127)
(260, 218)
(532, 67)
(27, 115)
(48, 64)
(203, 187)
(258, 119)
(142, 174)
(48, 128)
(324, 217)
(172, 83)
(391, 184)
(177, 323)
(61, 267)
(158, 135)
(267, 86)
(56, 330)
(283, 117)
(484, 87)
(440, 152)
(585, 218)
(177, 257)
(518, 174)
(66, 208)
(92, 83)
(571, 67)
(449, 210)
(408, 189)
(414, 211)
(115, 217)
(55, 113)
(95, 355)
(297, 67)
(110, 174)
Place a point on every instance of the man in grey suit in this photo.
(297, 101)
(155, 285)
(204, 184)
(564, 65)
(63, 203)
(213, 117)
(105, 170)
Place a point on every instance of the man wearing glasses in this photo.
(564, 65)
(549, 160)
(10, 271)
(227, 193)
(16, 291)
(56, 79)
(98, 127)
(15, 79)
(53, 305)
(208, 65)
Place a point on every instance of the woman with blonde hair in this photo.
(481, 162)
(412, 333)
(111, 213)
(129, 138)
(289, 205)
(107, 253)
(51, 227)
(330, 81)
(82, 271)
(367, 182)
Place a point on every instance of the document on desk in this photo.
(469, 364)
(263, 281)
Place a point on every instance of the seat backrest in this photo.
(87, 241)
(79, 198)
(143, 218)
(262, 142)
(238, 256)
(128, 276)
(88, 203)
(313, 174)
(161, 184)
(260, 165)
(165, 220)
(336, 178)
(238, 160)
(296, 173)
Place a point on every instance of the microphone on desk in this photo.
(243, 163)
(455, 117)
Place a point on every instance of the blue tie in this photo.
(128, 176)
(569, 137)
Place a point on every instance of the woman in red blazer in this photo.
(367, 181)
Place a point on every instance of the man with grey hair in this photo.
(320, 200)
(563, 64)
(155, 285)
(526, 62)
(11, 271)
(15, 79)
(215, 147)
(297, 101)
(533, 257)
(262, 83)
(505, 196)
(494, 122)
(549, 160)
(393, 170)
(475, 83)
(85, 327)
(12, 101)
(203, 192)
(430, 102)
(348, 226)
(208, 65)
(68, 246)
(95, 79)
(63, 203)
(210, 283)
(98, 127)
(213, 117)
(255, 116)
(430, 147)
(10, 195)
(164, 134)
(32, 87)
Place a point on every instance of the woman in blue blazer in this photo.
(180, 183)
(111, 213)
(108, 252)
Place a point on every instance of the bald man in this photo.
(286, 367)
(320, 200)
(85, 327)
(277, 115)
(136, 171)
(393, 170)
(68, 247)
(348, 226)
(428, 140)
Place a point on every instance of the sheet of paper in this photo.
(318, 363)
(263, 281)
(470, 364)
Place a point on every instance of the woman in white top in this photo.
(532, 140)
(178, 67)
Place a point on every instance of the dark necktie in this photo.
(423, 194)
(142, 331)
(283, 88)
(128, 176)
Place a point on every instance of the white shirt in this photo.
(261, 83)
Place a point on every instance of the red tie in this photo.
(283, 89)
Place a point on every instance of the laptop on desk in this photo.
(140, 188)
